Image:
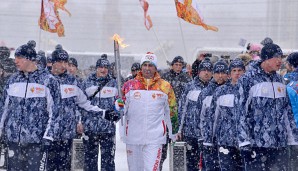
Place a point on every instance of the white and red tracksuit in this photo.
(150, 109)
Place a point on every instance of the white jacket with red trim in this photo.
(147, 111)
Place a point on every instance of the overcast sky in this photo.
(94, 22)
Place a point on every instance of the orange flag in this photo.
(188, 10)
(147, 22)
(49, 18)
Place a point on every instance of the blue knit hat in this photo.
(293, 59)
(49, 58)
(73, 61)
(269, 51)
(4, 52)
(27, 51)
(135, 66)
(267, 41)
(177, 59)
(220, 66)
(236, 63)
(205, 65)
(41, 59)
(59, 54)
(102, 62)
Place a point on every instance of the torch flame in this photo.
(118, 39)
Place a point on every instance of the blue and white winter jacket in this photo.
(30, 101)
(292, 89)
(224, 107)
(72, 96)
(105, 99)
(189, 117)
(207, 114)
(265, 114)
(288, 77)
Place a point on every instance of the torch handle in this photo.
(118, 69)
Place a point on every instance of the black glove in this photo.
(46, 144)
(112, 115)
(246, 151)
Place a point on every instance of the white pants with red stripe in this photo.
(143, 157)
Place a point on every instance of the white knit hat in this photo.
(149, 57)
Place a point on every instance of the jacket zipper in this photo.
(274, 106)
(24, 105)
(147, 81)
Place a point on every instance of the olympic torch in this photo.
(117, 43)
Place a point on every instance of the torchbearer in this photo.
(150, 108)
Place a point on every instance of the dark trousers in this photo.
(24, 157)
(266, 159)
(293, 157)
(210, 157)
(193, 153)
(107, 144)
(59, 156)
(229, 158)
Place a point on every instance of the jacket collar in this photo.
(155, 78)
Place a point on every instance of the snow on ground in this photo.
(121, 160)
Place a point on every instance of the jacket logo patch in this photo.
(37, 90)
(137, 95)
(157, 95)
(69, 90)
(280, 89)
(107, 91)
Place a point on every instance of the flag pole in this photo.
(164, 53)
(39, 35)
(185, 51)
(39, 38)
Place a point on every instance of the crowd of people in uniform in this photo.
(234, 115)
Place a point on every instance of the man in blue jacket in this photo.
(266, 123)
(210, 154)
(30, 97)
(223, 106)
(189, 114)
(101, 90)
(65, 122)
(292, 90)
